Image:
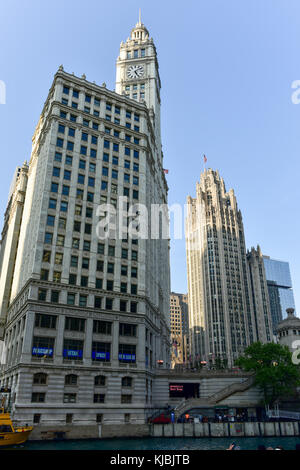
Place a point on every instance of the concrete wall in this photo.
(102, 431)
(270, 429)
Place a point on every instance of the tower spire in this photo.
(140, 17)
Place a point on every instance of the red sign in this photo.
(176, 388)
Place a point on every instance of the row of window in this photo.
(78, 324)
(93, 152)
(136, 53)
(93, 139)
(96, 104)
(86, 261)
(60, 240)
(43, 347)
(72, 380)
(40, 397)
(91, 166)
(95, 125)
(99, 302)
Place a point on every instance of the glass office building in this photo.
(279, 287)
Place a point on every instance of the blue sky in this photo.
(227, 69)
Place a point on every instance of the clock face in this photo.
(135, 71)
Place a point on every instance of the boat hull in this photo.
(14, 438)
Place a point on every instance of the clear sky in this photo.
(227, 69)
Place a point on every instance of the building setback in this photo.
(84, 319)
(221, 313)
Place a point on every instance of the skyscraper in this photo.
(179, 320)
(222, 318)
(260, 296)
(85, 318)
(280, 288)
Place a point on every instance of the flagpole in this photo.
(204, 162)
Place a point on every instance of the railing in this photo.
(283, 414)
(213, 399)
(235, 387)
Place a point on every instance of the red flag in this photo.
(204, 158)
(166, 171)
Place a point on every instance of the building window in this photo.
(44, 274)
(52, 203)
(69, 397)
(36, 418)
(82, 300)
(108, 304)
(71, 379)
(73, 349)
(58, 157)
(127, 329)
(54, 296)
(100, 351)
(99, 398)
(133, 289)
(38, 397)
(45, 321)
(126, 398)
(100, 380)
(42, 294)
(74, 324)
(72, 279)
(126, 382)
(51, 220)
(42, 346)
(124, 287)
(102, 327)
(99, 265)
(65, 190)
(127, 353)
(110, 268)
(71, 298)
(40, 379)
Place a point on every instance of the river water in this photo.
(184, 444)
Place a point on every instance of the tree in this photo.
(275, 374)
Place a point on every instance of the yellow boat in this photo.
(9, 435)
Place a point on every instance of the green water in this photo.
(245, 443)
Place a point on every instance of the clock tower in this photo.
(137, 74)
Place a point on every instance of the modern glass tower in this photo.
(280, 288)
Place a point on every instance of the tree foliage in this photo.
(275, 374)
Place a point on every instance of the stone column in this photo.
(59, 340)
(140, 350)
(115, 344)
(87, 351)
(27, 339)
